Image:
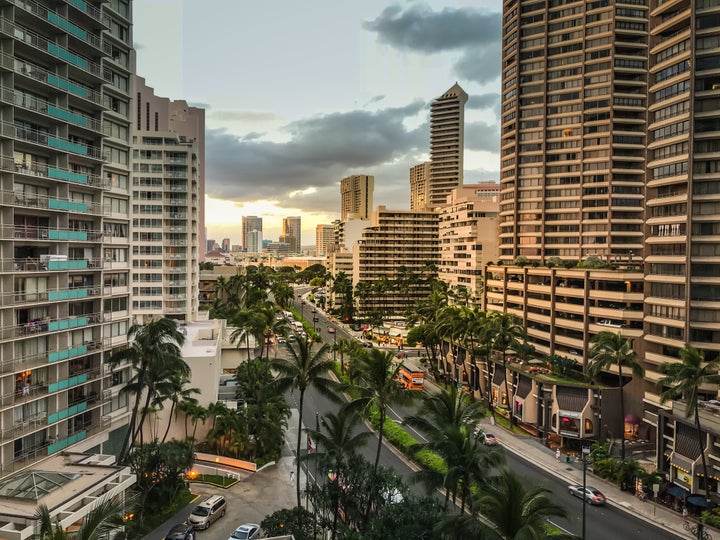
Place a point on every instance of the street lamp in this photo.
(315, 319)
(585, 454)
(302, 309)
(334, 334)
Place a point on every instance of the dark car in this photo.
(181, 531)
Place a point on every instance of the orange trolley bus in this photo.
(411, 379)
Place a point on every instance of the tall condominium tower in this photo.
(573, 129)
(447, 128)
(291, 233)
(166, 207)
(356, 196)
(419, 176)
(324, 240)
(64, 242)
(250, 224)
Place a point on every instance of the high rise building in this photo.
(250, 224)
(419, 176)
(291, 233)
(226, 245)
(399, 248)
(447, 142)
(254, 241)
(356, 196)
(468, 240)
(166, 206)
(65, 239)
(324, 240)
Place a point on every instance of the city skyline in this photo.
(365, 110)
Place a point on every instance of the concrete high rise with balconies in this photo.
(356, 196)
(447, 145)
(419, 177)
(165, 207)
(65, 243)
(291, 233)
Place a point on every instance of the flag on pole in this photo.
(309, 445)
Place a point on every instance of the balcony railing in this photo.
(44, 264)
(40, 74)
(52, 295)
(11, 198)
(43, 106)
(8, 129)
(22, 232)
(47, 324)
(59, 21)
(52, 172)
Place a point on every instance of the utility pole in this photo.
(585, 454)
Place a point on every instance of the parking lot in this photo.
(248, 501)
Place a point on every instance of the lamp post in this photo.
(585, 454)
(302, 309)
(317, 447)
(314, 319)
(334, 334)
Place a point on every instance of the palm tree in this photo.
(508, 334)
(173, 389)
(612, 349)
(685, 379)
(304, 369)
(104, 518)
(156, 343)
(507, 511)
(378, 387)
(338, 443)
(246, 323)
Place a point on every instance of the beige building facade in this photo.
(468, 226)
(356, 196)
(419, 184)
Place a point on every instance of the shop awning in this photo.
(571, 399)
(677, 491)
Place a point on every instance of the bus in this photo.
(411, 379)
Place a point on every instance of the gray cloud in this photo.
(241, 116)
(374, 99)
(321, 150)
(473, 32)
(199, 104)
(482, 136)
(483, 101)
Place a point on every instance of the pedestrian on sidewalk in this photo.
(685, 513)
(557, 454)
(292, 477)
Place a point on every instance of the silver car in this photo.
(247, 531)
(592, 495)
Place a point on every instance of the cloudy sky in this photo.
(301, 94)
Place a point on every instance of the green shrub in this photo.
(711, 517)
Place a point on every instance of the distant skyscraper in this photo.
(324, 239)
(291, 228)
(419, 175)
(226, 245)
(209, 245)
(254, 241)
(250, 224)
(447, 126)
(356, 196)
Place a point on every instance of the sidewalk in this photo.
(534, 452)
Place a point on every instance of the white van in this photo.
(208, 512)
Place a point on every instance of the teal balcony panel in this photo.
(72, 206)
(72, 294)
(61, 445)
(67, 55)
(68, 176)
(67, 265)
(66, 85)
(67, 116)
(67, 146)
(68, 235)
(66, 25)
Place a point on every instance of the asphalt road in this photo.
(602, 522)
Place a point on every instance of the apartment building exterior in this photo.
(356, 196)
(65, 242)
(419, 184)
(251, 224)
(291, 233)
(447, 145)
(468, 226)
(324, 240)
(399, 246)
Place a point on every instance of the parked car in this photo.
(592, 495)
(208, 512)
(489, 439)
(247, 531)
(368, 344)
(181, 531)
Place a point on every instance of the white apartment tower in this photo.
(447, 143)
(324, 240)
(250, 225)
(166, 207)
(65, 235)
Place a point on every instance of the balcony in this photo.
(91, 11)
(44, 13)
(23, 394)
(21, 232)
(47, 324)
(47, 263)
(37, 73)
(54, 295)
(45, 107)
(46, 140)
(44, 202)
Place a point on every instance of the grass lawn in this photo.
(215, 480)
